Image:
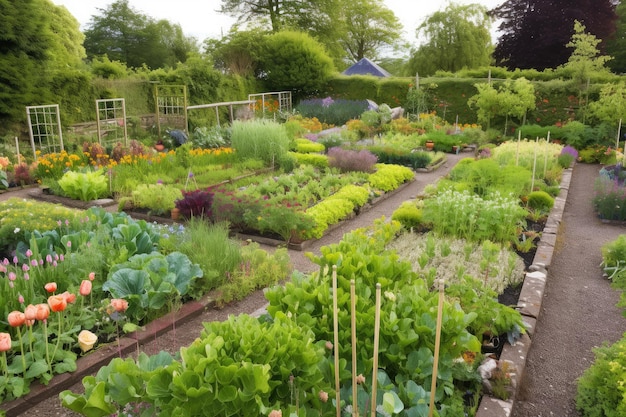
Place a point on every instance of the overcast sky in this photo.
(199, 18)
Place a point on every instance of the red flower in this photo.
(51, 287)
(69, 297)
(119, 304)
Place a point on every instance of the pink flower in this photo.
(12, 276)
(62, 258)
(276, 413)
(51, 287)
(29, 253)
(329, 345)
(92, 276)
(85, 288)
(49, 258)
(3, 269)
(20, 299)
(25, 268)
(5, 262)
(69, 244)
(26, 276)
(323, 396)
(34, 262)
(360, 379)
(15, 260)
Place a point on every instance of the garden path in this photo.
(578, 311)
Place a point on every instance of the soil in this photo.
(578, 313)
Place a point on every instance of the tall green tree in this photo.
(369, 26)
(40, 45)
(294, 61)
(125, 35)
(237, 53)
(511, 99)
(586, 59)
(615, 45)
(535, 32)
(457, 37)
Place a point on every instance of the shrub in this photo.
(540, 200)
(409, 215)
(393, 155)
(346, 160)
(333, 112)
(358, 195)
(307, 146)
(210, 137)
(389, 177)
(260, 139)
(601, 389)
(326, 213)
(316, 160)
(609, 200)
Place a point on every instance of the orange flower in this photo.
(51, 287)
(85, 288)
(42, 311)
(30, 313)
(16, 318)
(69, 297)
(119, 304)
(57, 303)
(92, 276)
(5, 342)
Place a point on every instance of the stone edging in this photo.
(529, 304)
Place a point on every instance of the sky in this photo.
(200, 19)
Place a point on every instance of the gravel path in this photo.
(578, 311)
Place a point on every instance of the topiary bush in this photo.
(409, 215)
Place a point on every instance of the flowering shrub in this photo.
(609, 199)
(347, 160)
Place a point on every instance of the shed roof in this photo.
(367, 67)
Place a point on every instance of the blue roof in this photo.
(366, 67)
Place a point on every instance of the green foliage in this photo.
(359, 195)
(258, 269)
(511, 99)
(409, 215)
(394, 155)
(150, 281)
(328, 212)
(158, 198)
(210, 137)
(389, 177)
(84, 186)
(316, 160)
(457, 37)
(308, 146)
(260, 139)
(540, 200)
(609, 200)
(295, 61)
(469, 216)
(105, 68)
(484, 176)
(601, 392)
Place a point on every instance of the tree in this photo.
(585, 60)
(25, 37)
(535, 32)
(615, 46)
(369, 27)
(321, 19)
(294, 61)
(511, 99)
(611, 106)
(456, 38)
(237, 53)
(125, 35)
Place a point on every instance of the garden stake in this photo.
(433, 385)
(532, 184)
(355, 411)
(545, 155)
(519, 138)
(376, 341)
(336, 343)
(17, 150)
(619, 131)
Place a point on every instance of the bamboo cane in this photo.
(433, 385)
(532, 184)
(545, 156)
(355, 411)
(619, 132)
(376, 342)
(336, 342)
(519, 138)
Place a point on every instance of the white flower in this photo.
(390, 296)
(86, 340)
(16, 230)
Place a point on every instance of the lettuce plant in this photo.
(84, 186)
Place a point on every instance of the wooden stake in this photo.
(545, 156)
(355, 410)
(519, 138)
(619, 132)
(17, 150)
(376, 342)
(532, 184)
(336, 342)
(433, 385)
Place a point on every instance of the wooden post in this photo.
(433, 384)
(375, 358)
(17, 150)
(619, 132)
(336, 343)
(355, 403)
(545, 156)
(519, 138)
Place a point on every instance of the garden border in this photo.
(529, 304)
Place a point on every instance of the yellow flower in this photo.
(86, 340)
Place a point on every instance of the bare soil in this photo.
(578, 312)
